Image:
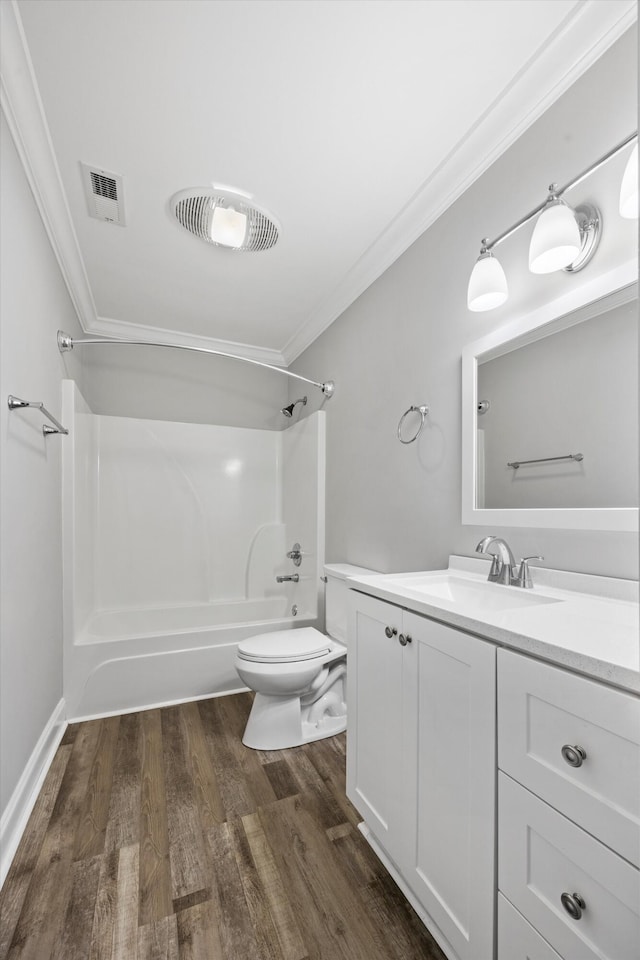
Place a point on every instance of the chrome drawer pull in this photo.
(574, 905)
(404, 640)
(390, 632)
(574, 755)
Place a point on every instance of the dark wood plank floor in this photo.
(159, 836)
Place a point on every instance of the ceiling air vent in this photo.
(105, 197)
(225, 219)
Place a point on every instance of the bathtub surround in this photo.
(33, 302)
(395, 507)
(174, 534)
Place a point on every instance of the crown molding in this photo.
(586, 33)
(108, 327)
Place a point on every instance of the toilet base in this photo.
(276, 723)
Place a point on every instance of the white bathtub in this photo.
(135, 659)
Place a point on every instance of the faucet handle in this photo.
(295, 554)
(523, 576)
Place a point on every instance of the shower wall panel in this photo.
(178, 507)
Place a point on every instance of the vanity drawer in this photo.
(517, 940)
(541, 856)
(541, 709)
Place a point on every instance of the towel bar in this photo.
(14, 403)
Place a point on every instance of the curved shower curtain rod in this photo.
(67, 342)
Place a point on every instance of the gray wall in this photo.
(157, 384)
(394, 507)
(33, 303)
(575, 391)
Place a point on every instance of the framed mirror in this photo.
(550, 413)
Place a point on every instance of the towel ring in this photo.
(423, 410)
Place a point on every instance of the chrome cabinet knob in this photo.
(404, 639)
(390, 632)
(573, 904)
(574, 755)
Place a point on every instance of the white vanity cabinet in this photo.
(421, 764)
(569, 811)
(494, 753)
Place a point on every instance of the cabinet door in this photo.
(450, 776)
(374, 719)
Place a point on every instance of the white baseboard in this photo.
(18, 810)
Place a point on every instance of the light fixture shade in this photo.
(555, 242)
(487, 284)
(228, 226)
(629, 188)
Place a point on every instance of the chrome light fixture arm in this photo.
(67, 342)
(564, 238)
(488, 245)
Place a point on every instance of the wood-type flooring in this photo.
(158, 836)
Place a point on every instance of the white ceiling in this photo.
(355, 122)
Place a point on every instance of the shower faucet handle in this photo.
(295, 555)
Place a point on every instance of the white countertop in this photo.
(593, 628)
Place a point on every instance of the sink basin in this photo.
(471, 594)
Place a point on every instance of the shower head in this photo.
(288, 411)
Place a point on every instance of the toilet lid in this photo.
(284, 646)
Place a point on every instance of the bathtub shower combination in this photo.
(174, 535)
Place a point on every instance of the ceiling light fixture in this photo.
(228, 226)
(563, 238)
(225, 218)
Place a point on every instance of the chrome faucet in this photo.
(293, 577)
(503, 564)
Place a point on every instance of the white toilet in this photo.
(299, 675)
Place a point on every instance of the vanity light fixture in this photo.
(564, 238)
(555, 242)
(488, 283)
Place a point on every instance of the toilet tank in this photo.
(336, 592)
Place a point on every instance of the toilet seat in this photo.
(285, 646)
